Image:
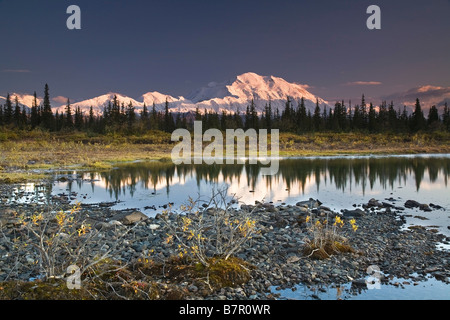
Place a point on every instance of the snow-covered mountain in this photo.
(23, 99)
(240, 91)
(99, 103)
(235, 94)
(428, 96)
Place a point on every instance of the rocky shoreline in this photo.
(276, 252)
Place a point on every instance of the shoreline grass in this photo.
(46, 151)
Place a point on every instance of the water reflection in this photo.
(344, 173)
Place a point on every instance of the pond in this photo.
(338, 182)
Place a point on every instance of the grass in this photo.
(20, 177)
(42, 150)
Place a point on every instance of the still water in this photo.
(338, 182)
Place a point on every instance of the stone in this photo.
(424, 207)
(435, 206)
(293, 259)
(311, 203)
(374, 203)
(359, 283)
(412, 204)
(153, 226)
(130, 218)
(353, 213)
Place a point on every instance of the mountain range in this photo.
(236, 94)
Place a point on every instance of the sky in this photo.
(176, 46)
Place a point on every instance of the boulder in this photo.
(130, 218)
(425, 207)
(353, 213)
(412, 204)
(374, 203)
(311, 203)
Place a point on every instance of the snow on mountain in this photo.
(240, 91)
(231, 96)
(179, 104)
(428, 96)
(99, 103)
(23, 99)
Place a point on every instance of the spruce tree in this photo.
(446, 117)
(372, 119)
(316, 117)
(392, 117)
(301, 116)
(8, 110)
(24, 117)
(34, 115)
(154, 119)
(91, 121)
(68, 123)
(382, 119)
(78, 121)
(433, 118)
(47, 114)
(404, 119)
(131, 116)
(1, 115)
(237, 119)
(417, 118)
(364, 113)
(145, 120)
(17, 113)
(168, 119)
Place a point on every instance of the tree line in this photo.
(294, 117)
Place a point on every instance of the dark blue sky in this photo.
(173, 47)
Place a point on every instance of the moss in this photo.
(52, 289)
(220, 272)
(227, 273)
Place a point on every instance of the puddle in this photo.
(395, 289)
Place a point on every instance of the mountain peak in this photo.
(232, 95)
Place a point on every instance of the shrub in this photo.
(326, 239)
(219, 231)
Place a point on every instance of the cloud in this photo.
(363, 83)
(60, 99)
(16, 70)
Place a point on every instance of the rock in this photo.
(247, 207)
(311, 203)
(359, 283)
(153, 226)
(104, 225)
(353, 213)
(374, 203)
(302, 210)
(440, 276)
(292, 259)
(435, 206)
(424, 207)
(412, 204)
(130, 218)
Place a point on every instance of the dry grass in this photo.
(40, 150)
